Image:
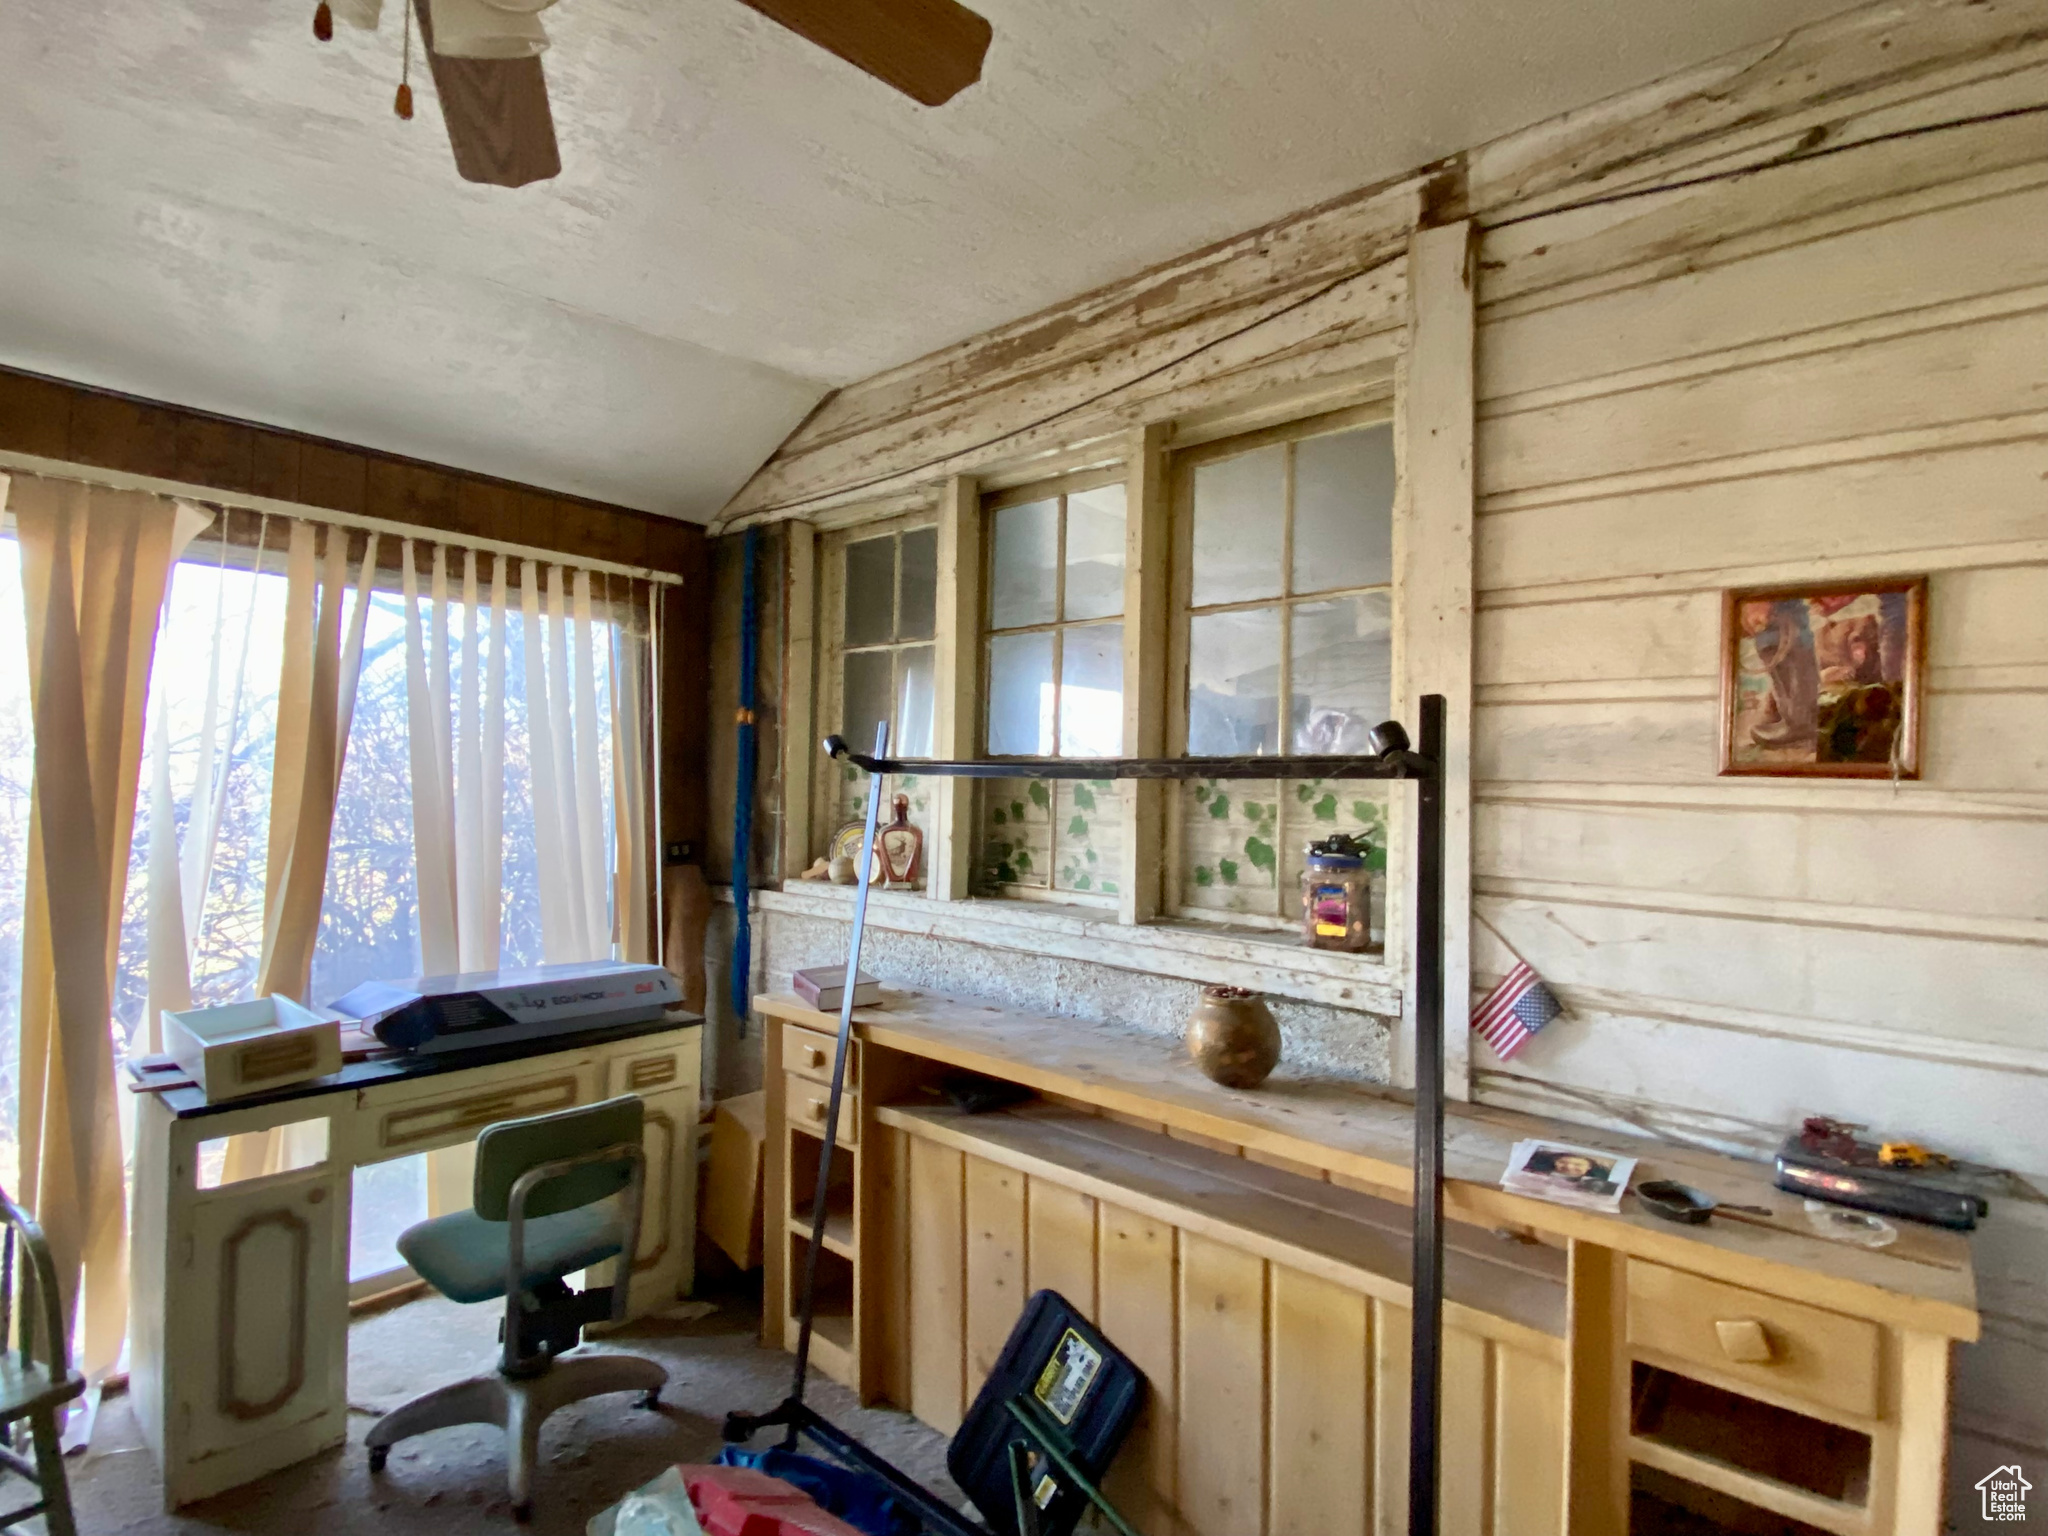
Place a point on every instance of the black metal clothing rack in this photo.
(1392, 758)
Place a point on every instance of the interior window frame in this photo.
(832, 648)
(1058, 487)
(1182, 611)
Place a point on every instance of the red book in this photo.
(824, 988)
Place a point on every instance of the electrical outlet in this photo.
(678, 851)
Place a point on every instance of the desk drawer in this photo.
(426, 1120)
(810, 1054)
(805, 1104)
(1823, 1357)
(667, 1069)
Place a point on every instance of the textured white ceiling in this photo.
(199, 203)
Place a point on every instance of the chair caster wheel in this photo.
(651, 1400)
(379, 1454)
(523, 1511)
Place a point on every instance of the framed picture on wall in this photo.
(1824, 680)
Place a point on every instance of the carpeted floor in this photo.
(452, 1482)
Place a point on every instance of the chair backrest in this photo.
(29, 1302)
(506, 1150)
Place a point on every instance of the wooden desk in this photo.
(239, 1324)
(1201, 1228)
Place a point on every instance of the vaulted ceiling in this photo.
(200, 203)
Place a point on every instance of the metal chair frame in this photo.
(36, 1274)
(528, 1385)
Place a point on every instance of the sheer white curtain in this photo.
(458, 764)
(180, 865)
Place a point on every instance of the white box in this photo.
(244, 1048)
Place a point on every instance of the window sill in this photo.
(1275, 962)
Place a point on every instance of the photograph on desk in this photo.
(1569, 1175)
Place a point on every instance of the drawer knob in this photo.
(1744, 1340)
(817, 1109)
(817, 1056)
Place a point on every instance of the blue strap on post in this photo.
(743, 807)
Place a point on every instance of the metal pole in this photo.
(1426, 1337)
(807, 1316)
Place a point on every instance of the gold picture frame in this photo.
(1824, 679)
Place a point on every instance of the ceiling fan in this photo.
(494, 96)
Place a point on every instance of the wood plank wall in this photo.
(98, 429)
(1278, 1399)
(1831, 370)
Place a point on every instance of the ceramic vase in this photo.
(1232, 1036)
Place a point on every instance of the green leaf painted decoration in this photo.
(1202, 791)
(1022, 859)
(1219, 807)
(1082, 882)
(1376, 860)
(1084, 799)
(1204, 875)
(1326, 808)
(1108, 887)
(1304, 792)
(1040, 795)
(1091, 855)
(1078, 827)
(1361, 811)
(1260, 853)
(998, 817)
(1017, 809)
(1228, 869)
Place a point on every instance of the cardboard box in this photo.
(732, 1180)
(248, 1048)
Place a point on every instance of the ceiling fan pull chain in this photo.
(403, 104)
(323, 22)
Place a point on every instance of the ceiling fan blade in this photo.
(930, 50)
(499, 122)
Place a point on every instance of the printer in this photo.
(486, 1008)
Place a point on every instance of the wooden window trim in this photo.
(1182, 611)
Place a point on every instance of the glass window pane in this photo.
(1092, 690)
(1344, 510)
(1088, 844)
(871, 591)
(1023, 555)
(912, 735)
(920, 585)
(389, 1197)
(867, 697)
(1016, 846)
(1234, 683)
(1240, 512)
(1020, 695)
(1342, 673)
(1095, 553)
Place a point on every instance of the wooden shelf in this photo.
(1264, 1210)
(838, 1231)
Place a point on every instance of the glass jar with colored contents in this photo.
(1336, 894)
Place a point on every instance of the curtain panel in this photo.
(96, 568)
(94, 564)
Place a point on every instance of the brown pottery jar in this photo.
(1232, 1036)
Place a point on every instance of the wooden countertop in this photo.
(1922, 1281)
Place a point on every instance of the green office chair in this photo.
(554, 1194)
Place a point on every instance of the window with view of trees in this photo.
(1053, 682)
(369, 922)
(1284, 607)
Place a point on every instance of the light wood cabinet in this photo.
(1601, 1374)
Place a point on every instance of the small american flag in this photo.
(1515, 1010)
